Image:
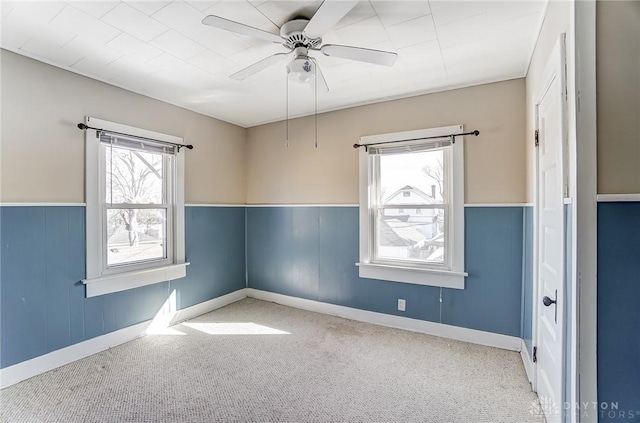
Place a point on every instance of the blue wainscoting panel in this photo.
(42, 261)
(76, 248)
(527, 279)
(23, 299)
(282, 250)
(568, 306)
(340, 284)
(422, 302)
(56, 269)
(619, 308)
(310, 252)
(127, 308)
(215, 248)
(492, 296)
(94, 320)
(338, 254)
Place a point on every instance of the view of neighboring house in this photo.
(410, 228)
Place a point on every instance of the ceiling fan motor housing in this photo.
(293, 34)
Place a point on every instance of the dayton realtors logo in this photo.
(544, 407)
(604, 410)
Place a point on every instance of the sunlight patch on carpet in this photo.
(249, 328)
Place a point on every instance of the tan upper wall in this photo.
(556, 22)
(618, 96)
(299, 174)
(42, 150)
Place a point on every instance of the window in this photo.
(135, 208)
(411, 208)
(400, 236)
(138, 184)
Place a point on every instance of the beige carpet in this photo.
(323, 369)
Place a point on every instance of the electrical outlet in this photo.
(402, 304)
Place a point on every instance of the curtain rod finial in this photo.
(476, 132)
(82, 126)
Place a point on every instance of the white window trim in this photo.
(99, 282)
(449, 278)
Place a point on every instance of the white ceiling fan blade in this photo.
(329, 14)
(226, 24)
(377, 57)
(258, 66)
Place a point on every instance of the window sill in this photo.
(417, 276)
(129, 280)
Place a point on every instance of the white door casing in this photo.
(550, 262)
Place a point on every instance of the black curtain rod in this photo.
(84, 127)
(452, 136)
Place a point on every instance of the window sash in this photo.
(375, 205)
(137, 206)
(411, 206)
(139, 264)
(168, 174)
(377, 259)
(169, 201)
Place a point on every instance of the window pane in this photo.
(412, 178)
(136, 235)
(410, 234)
(134, 177)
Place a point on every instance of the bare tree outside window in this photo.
(435, 170)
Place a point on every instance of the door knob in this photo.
(548, 301)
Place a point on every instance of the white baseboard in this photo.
(27, 369)
(38, 365)
(207, 306)
(526, 360)
(437, 329)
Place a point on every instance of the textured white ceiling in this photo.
(160, 49)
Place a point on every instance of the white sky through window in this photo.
(399, 170)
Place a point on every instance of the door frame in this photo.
(556, 67)
(585, 211)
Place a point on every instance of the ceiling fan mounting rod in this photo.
(300, 52)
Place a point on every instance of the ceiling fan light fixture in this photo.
(301, 69)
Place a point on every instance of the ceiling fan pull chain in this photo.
(315, 85)
(286, 82)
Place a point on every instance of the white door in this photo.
(551, 239)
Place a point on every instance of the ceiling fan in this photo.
(300, 36)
